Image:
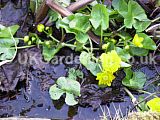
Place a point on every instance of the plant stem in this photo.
(101, 37)
(68, 45)
(91, 45)
(121, 28)
(23, 47)
(54, 39)
(134, 100)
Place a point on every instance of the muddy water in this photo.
(31, 98)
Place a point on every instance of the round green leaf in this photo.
(55, 92)
(70, 100)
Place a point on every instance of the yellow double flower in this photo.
(110, 64)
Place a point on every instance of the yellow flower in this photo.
(154, 104)
(137, 41)
(105, 78)
(110, 61)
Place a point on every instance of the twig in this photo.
(134, 100)
(54, 6)
(79, 4)
(42, 12)
(152, 28)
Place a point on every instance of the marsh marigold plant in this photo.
(110, 64)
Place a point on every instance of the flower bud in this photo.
(40, 28)
(26, 39)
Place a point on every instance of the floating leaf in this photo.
(68, 85)
(70, 100)
(55, 92)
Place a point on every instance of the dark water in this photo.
(31, 98)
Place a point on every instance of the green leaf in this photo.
(55, 92)
(70, 100)
(85, 59)
(69, 85)
(64, 23)
(49, 52)
(80, 23)
(100, 17)
(121, 6)
(77, 24)
(53, 15)
(73, 74)
(142, 106)
(133, 14)
(138, 51)
(93, 67)
(7, 50)
(141, 25)
(134, 80)
(148, 43)
(124, 55)
(5, 33)
(82, 37)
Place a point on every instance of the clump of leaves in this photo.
(133, 13)
(67, 85)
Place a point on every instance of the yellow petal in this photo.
(154, 104)
(137, 41)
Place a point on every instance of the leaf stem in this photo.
(134, 100)
(91, 45)
(23, 47)
(54, 39)
(121, 28)
(101, 37)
